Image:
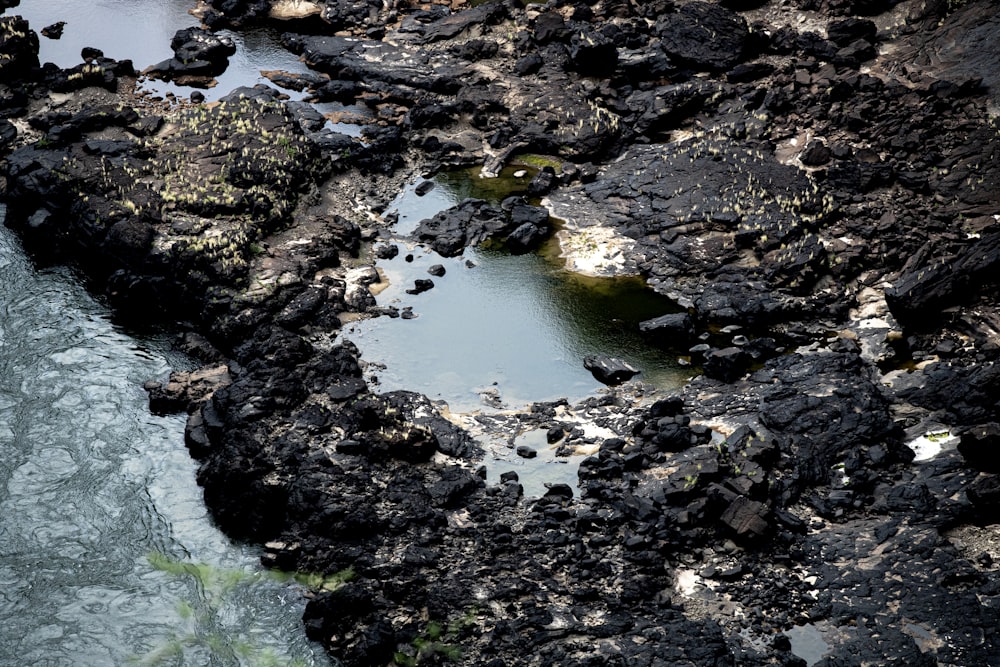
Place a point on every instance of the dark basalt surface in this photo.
(819, 197)
(516, 225)
(199, 55)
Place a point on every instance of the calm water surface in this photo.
(98, 503)
(519, 326)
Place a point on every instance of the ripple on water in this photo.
(92, 483)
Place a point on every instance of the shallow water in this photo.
(92, 486)
(807, 643)
(517, 325)
(535, 474)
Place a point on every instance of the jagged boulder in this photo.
(198, 54)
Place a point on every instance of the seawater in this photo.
(107, 554)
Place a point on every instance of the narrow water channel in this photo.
(107, 555)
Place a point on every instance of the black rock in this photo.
(667, 407)
(748, 518)
(130, 239)
(477, 49)
(199, 44)
(386, 250)
(980, 446)
(668, 330)
(525, 238)
(54, 31)
(704, 36)
(198, 53)
(747, 72)
(843, 33)
(543, 182)
(20, 48)
(336, 90)
(550, 26)
(8, 133)
(414, 444)
(350, 447)
(528, 65)
(300, 309)
(471, 222)
(816, 154)
(855, 53)
(438, 23)
(984, 493)
(930, 280)
(559, 491)
(592, 54)
(526, 452)
(421, 285)
(609, 370)
(727, 364)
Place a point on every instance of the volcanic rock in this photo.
(609, 370)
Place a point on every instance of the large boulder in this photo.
(474, 222)
(930, 282)
(609, 370)
(704, 36)
(980, 446)
(669, 329)
(198, 53)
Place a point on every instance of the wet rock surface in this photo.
(815, 186)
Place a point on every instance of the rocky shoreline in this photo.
(815, 183)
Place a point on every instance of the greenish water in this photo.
(98, 496)
(520, 325)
